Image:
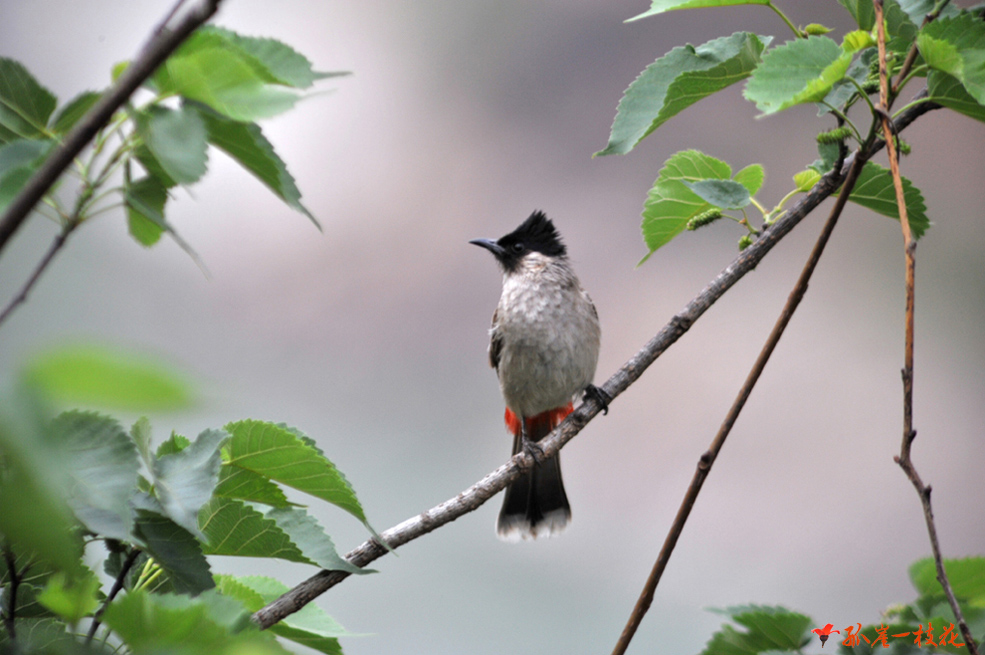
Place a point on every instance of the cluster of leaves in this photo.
(694, 189)
(78, 479)
(765, 630)
(209, 92)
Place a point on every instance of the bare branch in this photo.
(480, 492)
(53, 249)
(158, 48)
(909, 252)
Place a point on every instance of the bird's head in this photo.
(537, 234)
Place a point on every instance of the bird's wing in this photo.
(495, 342)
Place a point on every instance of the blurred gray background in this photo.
(460, 119)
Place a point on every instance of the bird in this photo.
(544, 344)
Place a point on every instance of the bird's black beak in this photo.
(491, 246)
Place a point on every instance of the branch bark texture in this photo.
(473, 497)
(162, 43)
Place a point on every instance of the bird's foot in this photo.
(599, 395)
(533, 449)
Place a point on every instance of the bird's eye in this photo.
(517, 247)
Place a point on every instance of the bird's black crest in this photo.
(537, 233)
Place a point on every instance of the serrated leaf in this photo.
(676, 81)
(768, 628)
(19, 159)
(175, 549)
(185, 480)
(947, 91)
(173, 444)
(311, 539)
(874, 190)
(234, 528)
(69, 115)
(670, 203)
(177, 139)
(145, 200)
(245, 143)
(967, 578)
(799, 71)
(274, 61)
(828, 157)
(103, 467)
(25, 105)
(243, 484)
(310, 626)
(660, 6)
(725, 194)
(47, 635)
(89, 374)
(34, 468)
(956, 46)
(221, 79)
(751, 177)
(275, 452)
(843, 90)
(205, 625)
(918, 9)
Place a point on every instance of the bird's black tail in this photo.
(535, 504)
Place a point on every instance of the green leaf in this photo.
(670, 203)
(310, 537)
(799, 71)
(48, 636)
(89, 374)
(209, 624)
(173, 444)
(948, 91)
(177, 139)
(140, 433)
(917, 9)
(676, 81)
(72, 599)
(967, 577)
(221, 79)
(862, 11)
(310, 626)
(660, 6)
(245, 143)
(25, 105)
(751, 177)
(184, 481)
(273, 61)
(956, 46)
(874, 190)
(19, 159)
(844, 90)
(34, 468)
(243, 484)
(175, 549)
(234, 528)
(768, 629)
(69, 115)
(153, 167)
(103, 467)
(145, 200)
(805, 180)
(275, 452)
(726, 194)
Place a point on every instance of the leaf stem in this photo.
(117, 586)
(796, 31)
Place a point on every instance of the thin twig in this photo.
(909, 251)
(157, 49)
(708, 458)
(117, 586)
(56, 245)
(480, 492)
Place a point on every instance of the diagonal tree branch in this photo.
(160, 46)
(473, 497)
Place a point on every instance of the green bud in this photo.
(816, 29)
(745, 241)
(835, 135)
